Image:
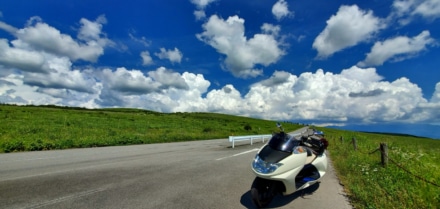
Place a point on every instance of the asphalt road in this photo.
(200, 174)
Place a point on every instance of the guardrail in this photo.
(233, 139)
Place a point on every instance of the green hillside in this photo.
(31, 128)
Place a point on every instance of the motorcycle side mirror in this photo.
(280, 127)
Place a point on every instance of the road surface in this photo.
(199, 174)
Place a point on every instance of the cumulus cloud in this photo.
(242, 54)
(355, 94)
(201, 5)
(436, 96)
(91, 31)
(347, 28)
(271, 29)
(37, 73)
(406, 10)
(8, 28)
(168, 79)
(337, 97)
(22, 59)
(43, 56)
(172, 55)
(42, 37)
(434, 107)
(146, 58)
(397, 49)
(428, 9)
(128, 81)
(159, 90)
(61, 77)
(200, 14)
(278, 77)
(16, 92)
(135, 82)
(281, 10)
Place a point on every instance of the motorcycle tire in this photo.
(263, 191)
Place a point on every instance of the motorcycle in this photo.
(288, 163)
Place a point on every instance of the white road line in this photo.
(56, 172)
(68, 197)
(241, 153)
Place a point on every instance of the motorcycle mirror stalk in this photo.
(280, 127)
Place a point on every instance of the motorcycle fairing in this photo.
(270, 155)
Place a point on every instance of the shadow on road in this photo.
(279, 200)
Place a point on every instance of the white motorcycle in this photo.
(288, 163)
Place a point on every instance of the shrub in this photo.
(247, 127)
(14, 146)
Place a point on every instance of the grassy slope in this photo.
(410, 180)
(32, 128)
(368, 184)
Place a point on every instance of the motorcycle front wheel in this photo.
(263, 191)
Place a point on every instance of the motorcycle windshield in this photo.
(283, 142)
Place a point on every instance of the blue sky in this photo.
(331, 63)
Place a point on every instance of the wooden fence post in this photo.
(384, 154)
(354, 143)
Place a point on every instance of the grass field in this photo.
(410, 180)
(30, 128)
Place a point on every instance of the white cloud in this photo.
(91, 31)
(142, 40)
(347, 28)
(146, 58)
(42, 37)
(160, 90)
(200, 14)
(19, 92)
(278, 77)
(271, 29)
(336, 97)
(398, 48)
(172, 55)
(38, 68)
(281, 10)
(128, 81)
(364, 75)
(8, 28)
(355, 94)
(61, 76)
(226, 100)
(22, 59)
(135, 82)
(168, 79)
(201, 5)
(428, 9)
(406, 10)
(242, 54)
(436, 96)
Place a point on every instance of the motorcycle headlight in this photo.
(264, 167)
